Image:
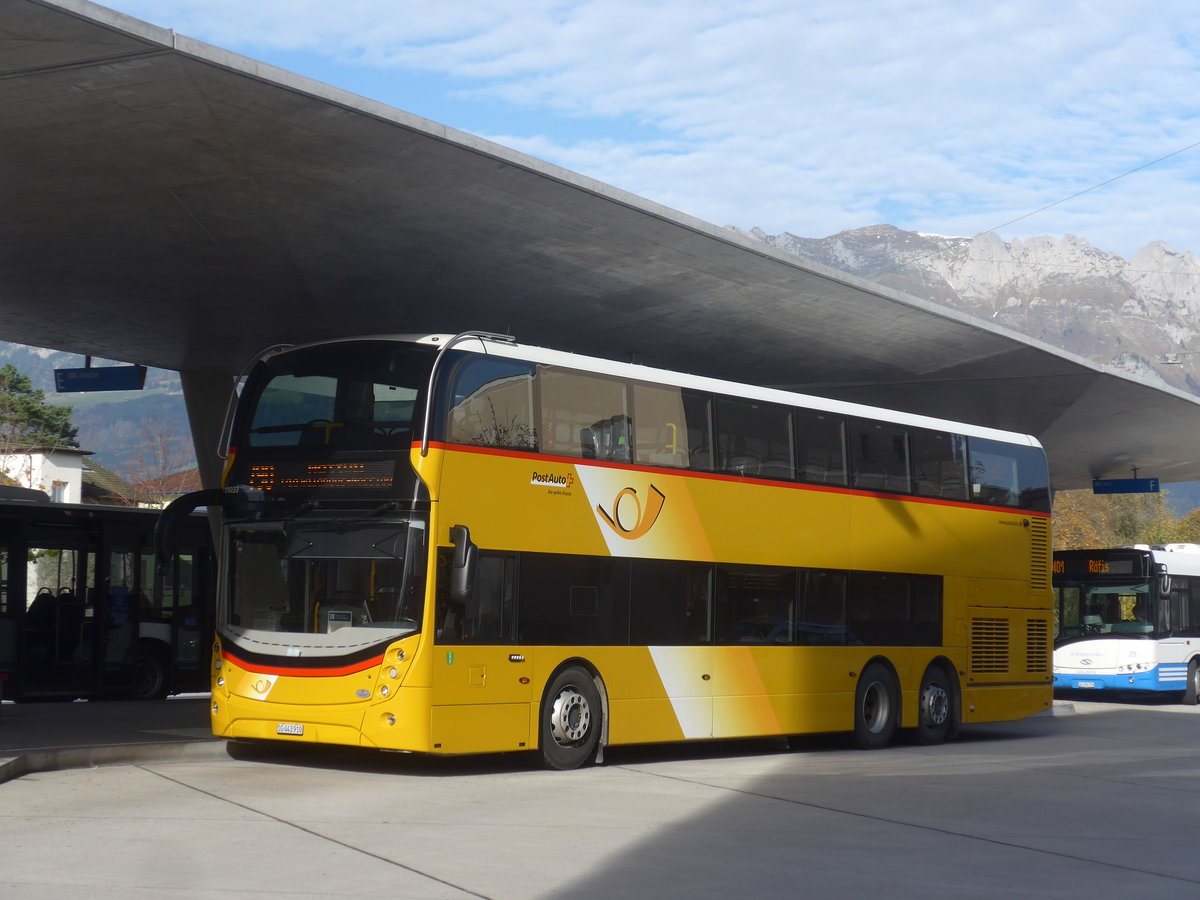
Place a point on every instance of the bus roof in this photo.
(597, 365)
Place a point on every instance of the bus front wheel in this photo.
(571, 718)
(875, 706)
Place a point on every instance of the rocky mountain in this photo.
(1131, 314)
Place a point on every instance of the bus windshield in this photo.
(338, 396)
(1123, 608)
(320, 575)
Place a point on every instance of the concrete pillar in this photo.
(207, 398)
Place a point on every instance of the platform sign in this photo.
(1125, 486)
(103, 378)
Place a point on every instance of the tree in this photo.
(27, 420)
(160, 465)
(1083, 520)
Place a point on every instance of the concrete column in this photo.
(207, 397)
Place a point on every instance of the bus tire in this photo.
(149, 673)
(876, 704)
(1191, 695)
(936, 708)
(569, 732)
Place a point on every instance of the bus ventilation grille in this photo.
(989, 645)
(1039, 562)
(1037, 635)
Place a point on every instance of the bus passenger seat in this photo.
(869, 476)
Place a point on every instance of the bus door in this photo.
(157, 630)
(482, 677)
(61, 643)
(182, 601)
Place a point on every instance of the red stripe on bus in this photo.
(303, 672)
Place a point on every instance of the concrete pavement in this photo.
(39, 737)
(1090, 802)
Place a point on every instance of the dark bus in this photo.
(83, 612)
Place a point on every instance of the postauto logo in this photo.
(553, 479)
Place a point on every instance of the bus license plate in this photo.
(289, 728)
(1080, 684)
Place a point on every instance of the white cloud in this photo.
(813, 117)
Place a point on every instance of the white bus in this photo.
(1128, 619)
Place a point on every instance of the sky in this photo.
(808, 116)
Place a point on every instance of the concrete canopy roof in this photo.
(171, 204)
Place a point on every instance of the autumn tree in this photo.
(1083, 520)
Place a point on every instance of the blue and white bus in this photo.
(1128, 619)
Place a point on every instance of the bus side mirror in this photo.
(462, 564)
(1164, 581)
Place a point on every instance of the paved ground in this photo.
(47, 736)
(1093, 801)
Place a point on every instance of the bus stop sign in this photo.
(1125, 486)
(106, 378)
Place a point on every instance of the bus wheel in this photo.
(149, 675)
(935, 713)
(1191, 696)
(875, 703)
(570, 728)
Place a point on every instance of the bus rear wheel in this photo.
(875, 706)
(570, 720)
(935, 707)
(149, 674)
(1191, 695)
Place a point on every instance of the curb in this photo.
(54, 759)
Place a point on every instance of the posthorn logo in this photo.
(629, 518)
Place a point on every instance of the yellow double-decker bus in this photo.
(458, 544)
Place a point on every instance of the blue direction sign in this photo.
(1125, 486)
(104, 378)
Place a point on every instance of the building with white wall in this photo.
(56, 471)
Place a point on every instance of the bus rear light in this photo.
(221, 682)
(393, 672)
(215, 709)
(383, 691)
(217, 665)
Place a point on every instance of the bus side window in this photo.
(1008, 475)
(754, 439)
(491, 404)
(583, 416)
(819, 450)
(878, 456)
